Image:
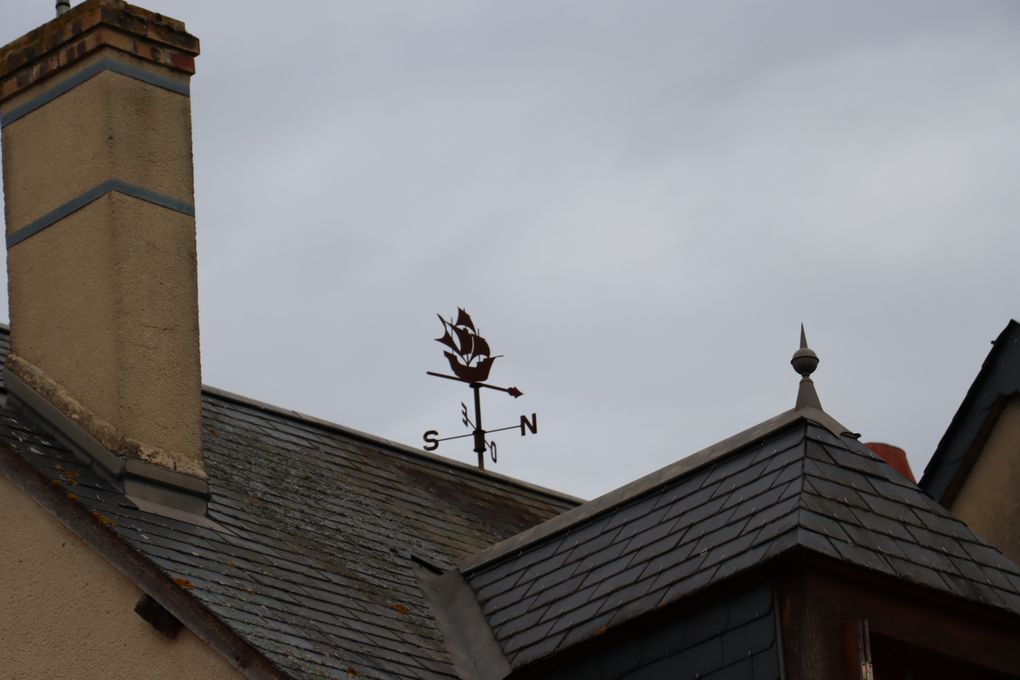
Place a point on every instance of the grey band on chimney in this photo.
(87, 73)
(91, 195)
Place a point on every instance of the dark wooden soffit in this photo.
(818, 596)
(963, 440)
(136, 567)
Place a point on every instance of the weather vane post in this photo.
(471, 360)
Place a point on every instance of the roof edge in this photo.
(928, 480)
(397, 447)
(138, 568)
(650, 482)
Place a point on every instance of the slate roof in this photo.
(998, 378)
(798, 486)
(314, 567)
(733, 637)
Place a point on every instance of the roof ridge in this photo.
(396, 447)
(652, 481)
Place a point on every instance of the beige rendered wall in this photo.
(105, 301)
(989, 501)
(65, 612)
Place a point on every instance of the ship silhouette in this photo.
(470, 357)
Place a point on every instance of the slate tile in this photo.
(576, 617)
(776, 527)
(751, 506)
(593, 545)
(664, 530)
(664, 561)
(652, 519)
(752, 489)
(513, 611)
(637, 606)
(727, 467)
(553, 578)
(631, 512)
(620, 597)
(540, 649)
(900, 494)
(742, 642)
(943, 524)
(700, 659)
(829, 508)
(788, 474)
(864, 557)
(618, 581)
(945, 544)
(834, 492)
(600, 573)
(741, 561)
(750, 604)
(692, 503)
(729, 549)
(559, 590)
(526, 620)
(778, 444)
(884, 544)
(817, 542)
(917, 573)
(588, 629)
(570, 602)
(527, 637)
(611, 555)
(987, 556)
(884, 525)
(711, 522)
(820, 434)
(674, 573)
(822, 525)
(688, 585)
(783, 459)
(678, 491)
(740, 479)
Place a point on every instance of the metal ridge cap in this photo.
(646, 484)
(397, 447)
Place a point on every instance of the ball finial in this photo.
(804, 360)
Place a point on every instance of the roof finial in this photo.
(805, 361)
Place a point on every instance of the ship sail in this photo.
(470, 356)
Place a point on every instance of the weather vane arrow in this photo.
(471, 359)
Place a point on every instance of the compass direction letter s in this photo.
(431, 441)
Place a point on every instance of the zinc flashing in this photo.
(163, 491)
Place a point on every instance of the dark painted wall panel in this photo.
(733, 638)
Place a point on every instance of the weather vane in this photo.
(471, 360)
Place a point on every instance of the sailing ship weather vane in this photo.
(471, 360)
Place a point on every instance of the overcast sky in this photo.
(638, 203)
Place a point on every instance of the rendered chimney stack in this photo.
(99, 190)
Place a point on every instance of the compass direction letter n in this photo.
(529, 424)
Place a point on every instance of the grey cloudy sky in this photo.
(638, 202)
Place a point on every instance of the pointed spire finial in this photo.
(805, 361)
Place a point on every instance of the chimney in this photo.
(95, 120)
(895, 457)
